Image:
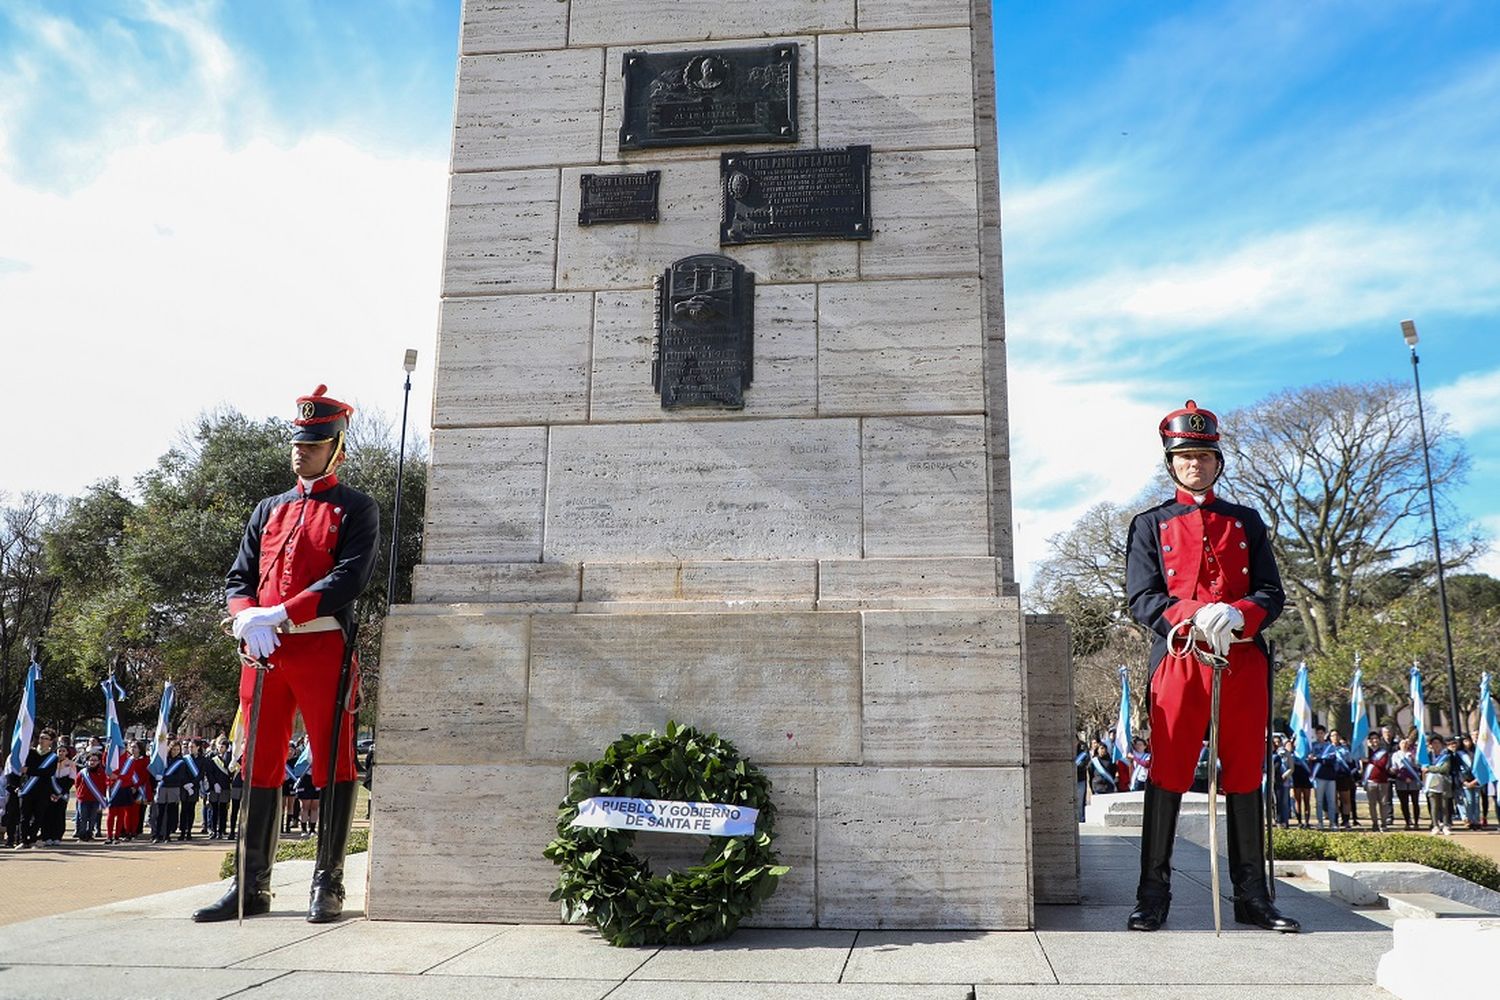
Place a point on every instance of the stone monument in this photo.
(720, 437)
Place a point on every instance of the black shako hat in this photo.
(1190, 429)
(320, 417)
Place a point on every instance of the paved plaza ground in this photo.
(146, 947)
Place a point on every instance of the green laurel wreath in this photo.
(616, 891)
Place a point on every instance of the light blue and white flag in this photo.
(303, 762)
(114, 738)
(1302, 714)
(1120, 749)
(1359, 719)
(158, 765)
(20, 740)
(1487, 756)
(1419, 716)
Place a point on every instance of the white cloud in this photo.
(189, 274)
(1074, 444)
(1472, 403)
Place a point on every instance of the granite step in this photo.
(1429, 906)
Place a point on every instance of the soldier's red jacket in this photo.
(312, 552)
(1184, 555)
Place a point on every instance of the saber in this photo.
(1271, 775)
(339, 709)
(247, 771)
(1213, 791)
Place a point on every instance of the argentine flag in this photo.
(114, 738)
(1302, 715)
(20, 741)
(1487, 750)
(1120, 750)
(1419, 715)
(158, 765)
(303, 761)
(1359, 728)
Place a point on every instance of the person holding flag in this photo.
(306, 555)
(1487, 744)
(1200, 574)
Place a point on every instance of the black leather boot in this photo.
(260, 853)
(1153, 896)
(326, 902)
(1247, 865)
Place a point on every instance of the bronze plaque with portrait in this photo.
(710, 96)
(799, 194)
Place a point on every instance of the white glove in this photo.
(260, 640)
(189, 789)
(250, 617)
(1218, 622)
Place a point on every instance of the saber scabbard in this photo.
(1213, 791)
(247, 772)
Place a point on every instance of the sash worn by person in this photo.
(1200, 570)
(306, 555)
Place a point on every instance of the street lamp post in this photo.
(410, 364)
(1409, 334)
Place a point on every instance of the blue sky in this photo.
(1207, 199)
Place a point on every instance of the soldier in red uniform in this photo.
(306, 555)
(1200, 574)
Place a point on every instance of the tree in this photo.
(27, 592)
(1337, 472)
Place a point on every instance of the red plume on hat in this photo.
(320, 417)
(1190, 429)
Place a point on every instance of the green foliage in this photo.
(300, 850)
(616, 891)
(1444, 855)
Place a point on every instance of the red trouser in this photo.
(1180, 702)
(304, 675)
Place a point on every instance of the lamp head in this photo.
(410, 364)
(1409, 332)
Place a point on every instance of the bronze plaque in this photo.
(803, 194)
(617, 197)
(710, 96)
(702, 354)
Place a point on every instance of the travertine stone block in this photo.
(452, 689)
(455, 583)
(1051, 731)
(924, 207)
(513, 25)
(757, 489)
(900, 347)
(484, 495)
(437, 855)
(513, 359)
(921, 848)
(595, 22)
(528, 109)
(629, 256)
(924, 486)
(784, 687)
(786, 346)
(614, 100)
(896, 89)
(700, 581)
(883, 14)
(1054, 831)
(502, 233)
(862, 579)
(673, 607)
(942, 687)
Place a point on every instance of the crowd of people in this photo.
(1318, 787)
(195, 789)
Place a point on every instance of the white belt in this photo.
(327, 623)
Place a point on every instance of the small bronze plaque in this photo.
(710, 96)
(617, 197)
(804, 194)
(703, 354)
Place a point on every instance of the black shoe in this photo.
(1247, 865)
(326, 901)
(260, 855)
(1158, 833)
